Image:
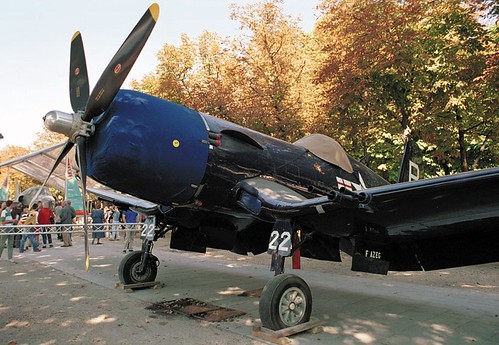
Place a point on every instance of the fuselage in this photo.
(169, 154)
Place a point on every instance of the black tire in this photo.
(128, 269)
(286, 301)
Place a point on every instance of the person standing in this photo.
(116, 223)
(73, 211)
(7, 223)
(98, 220)
(17, 211)
(57, 212)
(108, 215)
(46, 217)
(73, 215)
(66, 219)
(28, 218)
(130, 218)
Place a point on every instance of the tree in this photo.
(460, 94)
(369, 73)
(272, 59)
(212, 80)
(388, 65)
(172, 72)
(43, 139)
(6, 154)
(369, 70)
(47, 138)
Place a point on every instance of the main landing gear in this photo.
(139, 266)
(286, 301)
(142, 266)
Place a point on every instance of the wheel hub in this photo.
(292, 306)
(139, 274)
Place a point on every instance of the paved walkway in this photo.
(356, 310)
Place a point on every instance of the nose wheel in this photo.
(286, 301)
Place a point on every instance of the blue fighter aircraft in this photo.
(220, 185)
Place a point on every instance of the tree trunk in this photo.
(462, 145)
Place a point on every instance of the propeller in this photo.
(115, 73)
(77, 126)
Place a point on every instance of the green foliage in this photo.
(421, 64)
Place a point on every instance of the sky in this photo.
(35, 37)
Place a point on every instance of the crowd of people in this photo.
(23, 227)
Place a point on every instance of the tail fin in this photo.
(409, 167)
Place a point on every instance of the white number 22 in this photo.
(148, 228)
(282, 246)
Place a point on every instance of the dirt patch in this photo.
(196, 309)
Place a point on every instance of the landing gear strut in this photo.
(136, 269)
(142, 266)
(286, 300)
(139, 266)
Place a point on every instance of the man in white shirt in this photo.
(7, 227)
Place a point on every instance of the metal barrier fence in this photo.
(76, 228)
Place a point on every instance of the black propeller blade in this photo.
(115, 73)
(81, 147)
(78, 76)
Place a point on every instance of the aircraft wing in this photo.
(402, 208)
(416, 206)
(125, 200)
(428, 224)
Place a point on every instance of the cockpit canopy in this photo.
(326, 149)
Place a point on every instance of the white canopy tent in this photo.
(38, 164)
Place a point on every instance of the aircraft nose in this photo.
(150, 148)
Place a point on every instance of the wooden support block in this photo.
(268, 335)
(281, 336)
(131, 287)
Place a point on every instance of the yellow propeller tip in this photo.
(154, 9)
(76, 34)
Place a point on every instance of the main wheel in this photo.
(286, 301)
(129, 270)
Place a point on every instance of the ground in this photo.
(46, 301)
(483, 278)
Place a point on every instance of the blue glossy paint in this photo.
(149, 147)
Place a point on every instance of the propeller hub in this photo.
(71, 125)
